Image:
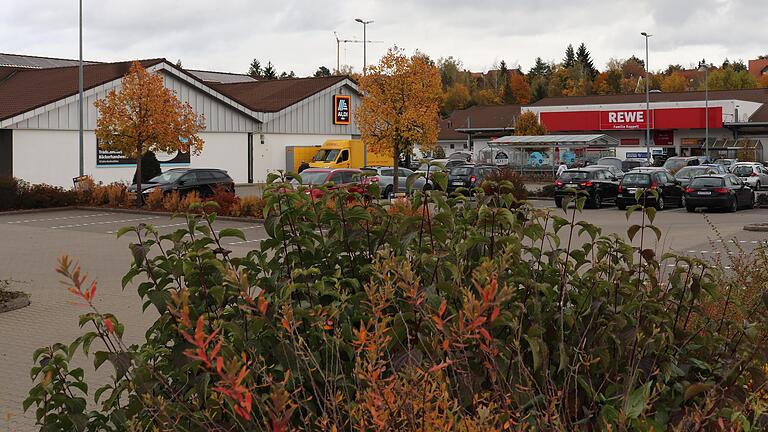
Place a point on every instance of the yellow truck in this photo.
(295, 155)
(348, 154)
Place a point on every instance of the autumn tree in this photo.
(527, 124)
(762, 82)
(400, 107)
(675, 82)
(520, 89)
(507, 92)
(145, 116)
(455, 97)
(729, 79)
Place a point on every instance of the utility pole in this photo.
(80, 77)
(647, 101)
(341, 41)
(703, 65)
(365, 25)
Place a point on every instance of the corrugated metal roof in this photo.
(220, 77)
(35, 62)
(562, 140)
(755, 95)
(275, 95)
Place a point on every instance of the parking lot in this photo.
(32, 242)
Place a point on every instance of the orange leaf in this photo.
(110, 325)
(442, 365)
(92, 292)
(441, 310)
(495, 313)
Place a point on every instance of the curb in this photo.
(763, 227)
(17, 303)
(40, 210)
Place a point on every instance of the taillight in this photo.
(587, 183)
(754, 174)
(689, 190)
(722, 190)
(619, 190)
(558, 183)
(654, 186)
(374, 179)
(473, 179)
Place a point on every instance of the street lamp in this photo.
(80, 91)
(647, 101)
(704, 67)
(365, 39)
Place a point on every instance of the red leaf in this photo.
(92, 292)
(495, 313)
(442, 365)
(110, 325)
(441, 311)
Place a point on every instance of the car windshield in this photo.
(313, 177)
(326, 155)
(461, 171)
(675, 164)
(724, 162)
(703, 182)
(743, 170)
(636, 179)
(425, 167)
(573, 175)
(167, 177)
(691, 172)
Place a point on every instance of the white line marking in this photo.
(243, 229)
(156, 226)
(246, 241)
(754, 242)
(105, 222)
(691, 251)
(59, 218)
(704, 252)
(742, 241)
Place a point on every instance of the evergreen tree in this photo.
(322, 71)
(539, 69)
(507, 94)
(570, 57)
(286, 75)
(269, 72)
(584, 59)
(178, 64)
(255, 70)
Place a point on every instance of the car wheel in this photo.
(621, 206)
(752, 200)
(682, 201)
(734, 205)
(387, 192)
(690, 209)
(660, 204)
(559, 202)
(597, 201)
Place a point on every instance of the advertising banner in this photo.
(114, 158)
(624, 120)
(342, 109)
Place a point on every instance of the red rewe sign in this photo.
(622, 120)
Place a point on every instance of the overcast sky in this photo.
(298, 34)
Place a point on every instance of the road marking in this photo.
(246, 241)
(155, 226)
(754, 242)
(60, 218)
(704, 252)
(105, 222)
(742, 241)
(242, 229)
(691, 251)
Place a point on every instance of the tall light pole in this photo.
(703, 65)
(647, 101)
(365, 40)
(80, 78)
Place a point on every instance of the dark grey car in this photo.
(385, 177)
(184, 180)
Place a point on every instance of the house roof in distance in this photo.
(23, 90)
(276, 95)
(36, 62)
(478, 117)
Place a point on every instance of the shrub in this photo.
(250, 206)
(190, 200)
(155, 199)
(172, 202)
(46, 196)
(508, 181)
(9, 193)
(463, 316)
(117, 195)
(225, 198)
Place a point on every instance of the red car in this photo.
(341, 177)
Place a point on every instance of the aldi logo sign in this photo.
(342, 109)
(624, 120)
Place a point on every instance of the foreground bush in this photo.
(434, 314)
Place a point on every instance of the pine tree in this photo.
(570, 57)
(584, 59)
(286, 75)
(507, 94)
(269, 72)
(322, 71)
(178, 64)
(539, 69)
(255, 71)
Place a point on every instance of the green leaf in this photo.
(441, 180)
(411, 180)
(232, 232)
(636, 402)
(272, 177)
(124, 230)
(99, 357)
(632, 231)
(695, 389)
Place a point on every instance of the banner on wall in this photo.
(106, 158)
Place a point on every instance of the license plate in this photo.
(458, 183)
(632, 190)
(571, 185)
(705, 193)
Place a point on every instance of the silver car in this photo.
(752, 173)
(385, 177)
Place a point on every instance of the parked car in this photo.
(204, 181)
(468, 176)
(686, 174)
(721, 169)
(384, 176)
(599, 183)
(617, 172)
(726, 162)
(459, 155)
(630, 164)
(675, 163)
(649, 179)
(428, 167)
(341, 177)
(650, 169)
(752, 173)
(719, 191)
(615, 162)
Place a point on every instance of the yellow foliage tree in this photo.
(674, 83)
(762, 82)
(528, 124)
(145, 116)
(455, 97)
(400, 107)
(520, 89)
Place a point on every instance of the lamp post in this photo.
(365, 40)
(705, 67)
(80, 91)
(647, 101)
